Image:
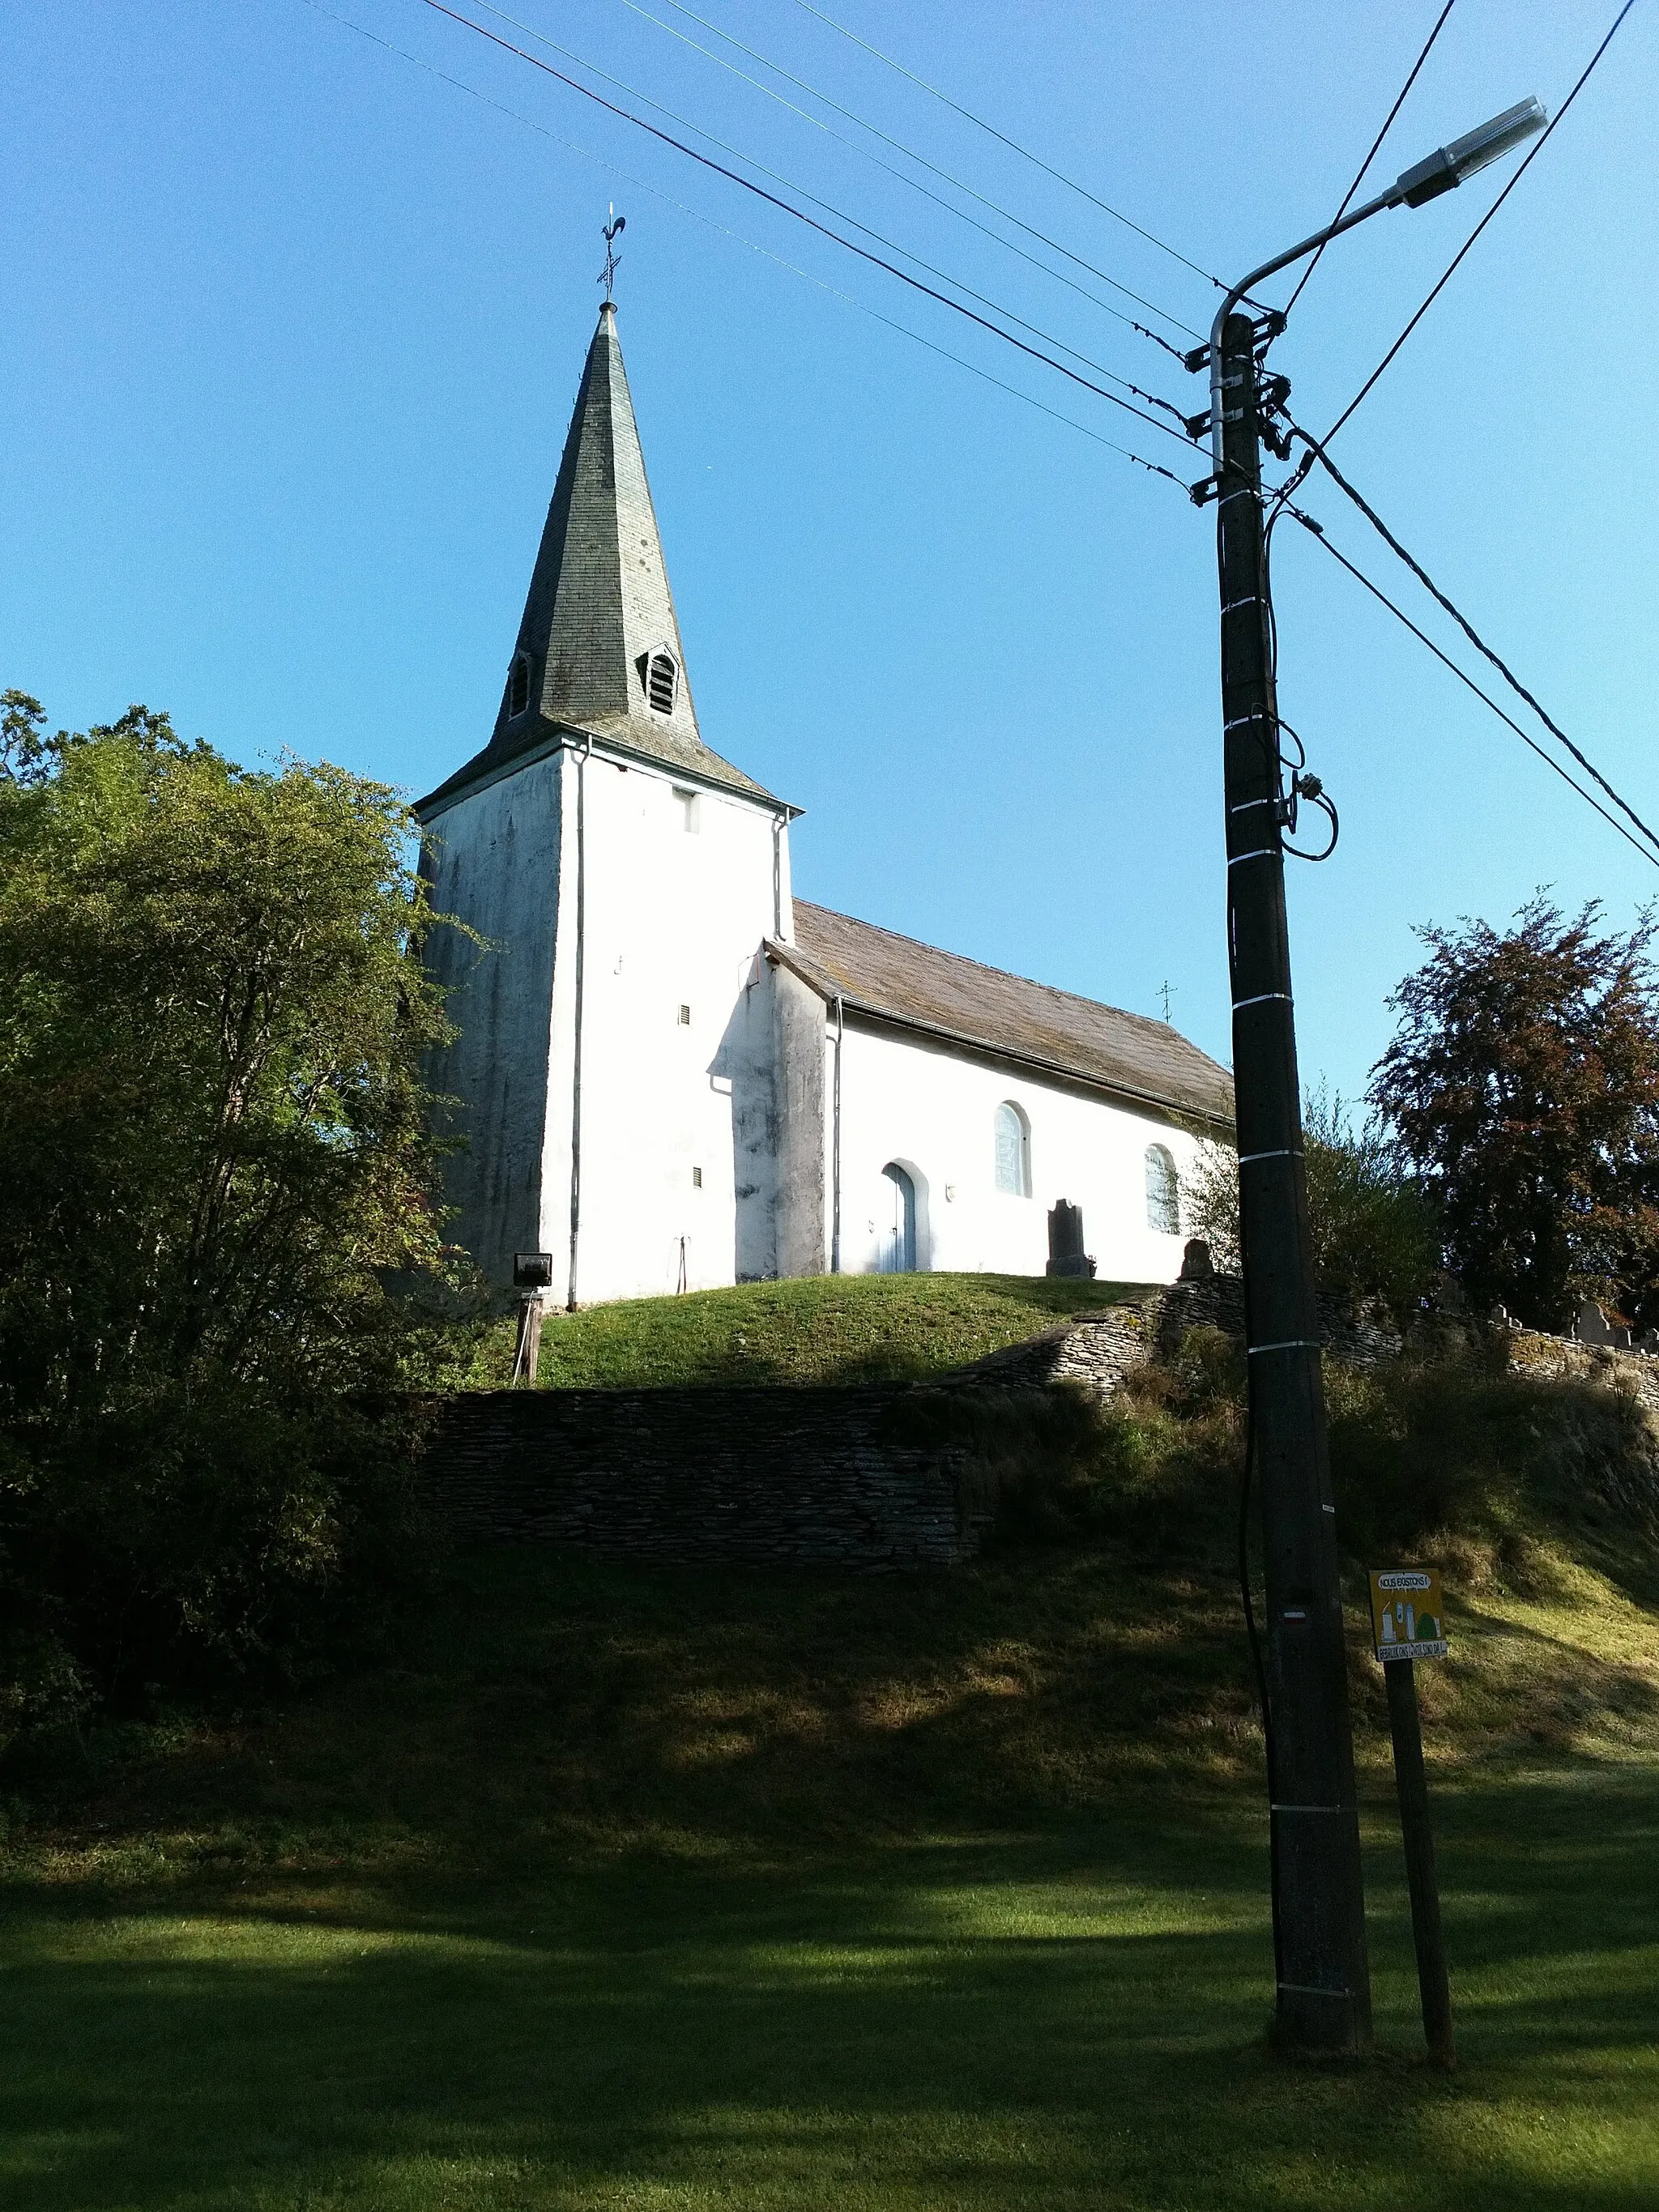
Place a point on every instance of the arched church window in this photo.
(1013, 1133)
(661, 682)
(1162, 1191)
(518, 684)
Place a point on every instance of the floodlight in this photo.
(532, 1271)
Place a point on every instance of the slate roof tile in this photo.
(917, 986)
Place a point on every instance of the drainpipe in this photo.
(576, 1055)
(777, 877)
(834, 1218)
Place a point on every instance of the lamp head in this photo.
(1447, 166)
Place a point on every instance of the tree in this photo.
(215, 1224)
(1374, 1231)
(1523, 1086)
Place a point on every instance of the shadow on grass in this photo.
(687, 1891)
(1058, 2019)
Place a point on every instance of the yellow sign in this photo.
(1408, 1620)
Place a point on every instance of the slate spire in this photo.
(599, 607)
(598, 648)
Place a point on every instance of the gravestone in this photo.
(1066, 1253)
(1592, 1326)
(1196, 1264)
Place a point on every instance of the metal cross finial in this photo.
(617, 224)
(1166, 993)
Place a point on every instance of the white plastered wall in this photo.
(674, 918)
(493, 860)
(933, 1113)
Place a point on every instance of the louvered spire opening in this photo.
(661, 682)
(518, 684)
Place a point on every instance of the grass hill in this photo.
(677, 1891)
(821, 1328)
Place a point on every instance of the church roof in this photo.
(917, 987)
(599, 613)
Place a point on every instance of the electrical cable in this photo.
(1014, 146)
(1537, 149)
(911, 153)
(841, 215)
(1469, 630)
(685, 122)
(748, 186)
(1302, 785)
(1317, 530)
(1359, 179)
(695, 214)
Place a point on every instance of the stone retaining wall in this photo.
(1098, 1349)
(866, 1478)
(1531, 1353)
(744, 1477)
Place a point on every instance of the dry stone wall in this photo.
(1097, 1350)
(1532, 1353)
(752, 1478)
(843, 1478)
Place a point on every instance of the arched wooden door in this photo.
(898, 1243)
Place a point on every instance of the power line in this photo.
(1014, 146)
(1359, 179)
(812, 223)
(911, 153)
(685, 122)
(724, 230)
(1537, 149)
(1317, 531)
(1470, 633)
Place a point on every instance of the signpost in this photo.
(1408, 1622)
(532, 1272)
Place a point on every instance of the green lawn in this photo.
(821, 1329)
(675, 1890)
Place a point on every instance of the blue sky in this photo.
(297, 325)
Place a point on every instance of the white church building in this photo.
(669, 1072)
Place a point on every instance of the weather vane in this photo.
(613, 230)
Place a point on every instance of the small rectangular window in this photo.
(696, 1178)
(688, 804)
(685, 1018)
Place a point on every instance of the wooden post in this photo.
(1433, 1987)
(526, 1356)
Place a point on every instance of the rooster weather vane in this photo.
(613, 230)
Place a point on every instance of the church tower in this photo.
(612, 1080)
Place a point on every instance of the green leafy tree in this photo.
(1374, 1232)
(215, 1227)
(1522, 1084)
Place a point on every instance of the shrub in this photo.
(1375, 1233)
(219, 1268)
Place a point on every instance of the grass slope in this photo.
(821, 1329)
(675, 1891)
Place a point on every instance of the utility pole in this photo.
(1324, 2000)
(1324, 1997)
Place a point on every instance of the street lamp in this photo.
(1442, 171)
(1323, 1986)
